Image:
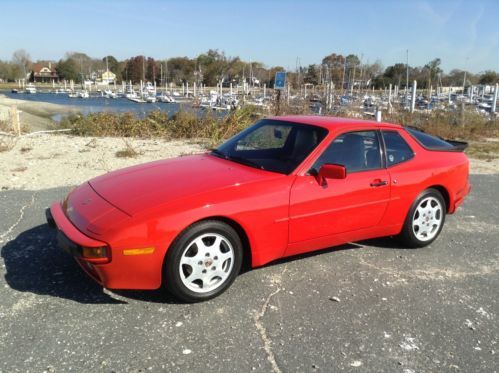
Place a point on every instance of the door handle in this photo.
(378, 182)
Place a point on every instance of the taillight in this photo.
(95, 254)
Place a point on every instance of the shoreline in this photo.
(35, 115)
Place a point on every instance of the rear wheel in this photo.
(203, 261)
(425, 219)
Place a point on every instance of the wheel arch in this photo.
(241, 232)
(445, 194)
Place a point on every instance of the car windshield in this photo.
(272, 145)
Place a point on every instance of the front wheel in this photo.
(203, 261)
(425, 219)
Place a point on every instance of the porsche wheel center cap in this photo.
(208, 263)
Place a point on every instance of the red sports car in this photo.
(284, 186)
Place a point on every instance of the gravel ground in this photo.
(369, 306)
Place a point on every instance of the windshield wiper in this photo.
(219, 153)
(244, 161)
(237, 159)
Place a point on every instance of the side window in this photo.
(397, 149)
(357, 151)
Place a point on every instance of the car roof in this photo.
(336, 123)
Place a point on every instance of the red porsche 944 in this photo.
(284, 186)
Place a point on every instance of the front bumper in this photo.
(72, 240)
(122, 272)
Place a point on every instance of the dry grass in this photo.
(6, 143)
(7, 140)
(484, 150)
(211, 130)
(182, 125)
(466, 126)
(128, 152)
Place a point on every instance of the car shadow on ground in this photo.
(35, 264)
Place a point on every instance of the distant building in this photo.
(44, 73)
(108, 77)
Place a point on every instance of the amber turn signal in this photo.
(143, 251)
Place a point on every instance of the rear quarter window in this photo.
(397, 149)
(429, 141)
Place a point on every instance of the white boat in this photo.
(149, 88)
(109, 94)
(485, 106)
(30, 88)
(83, 94)
(72, 95)
(136, 99)
(150, 99)
(166, 98)
(130, 93)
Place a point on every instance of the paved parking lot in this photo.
(370, 306)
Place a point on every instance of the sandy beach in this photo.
(42, 161)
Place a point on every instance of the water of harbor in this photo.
(96, 104)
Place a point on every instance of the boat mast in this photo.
(406, 73)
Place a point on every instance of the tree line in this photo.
(214, 67)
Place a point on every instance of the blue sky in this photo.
(464, 34)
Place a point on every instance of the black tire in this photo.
(408, 235)
(172, 276)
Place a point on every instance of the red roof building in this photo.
(44, 72)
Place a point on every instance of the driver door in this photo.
(342, 205)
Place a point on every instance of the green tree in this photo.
(113, 64)
(430, 73)
(311, 76)
(395, 74)
(488, 77)
(214, 66)
(334, 63)
(68, 70)
(181, 69)
(352, 60)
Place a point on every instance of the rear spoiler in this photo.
(459, 146)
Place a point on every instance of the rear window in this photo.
(429, 141)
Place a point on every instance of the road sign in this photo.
(280, 80)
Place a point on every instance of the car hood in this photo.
(138, 188)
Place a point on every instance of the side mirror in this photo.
(331, 171)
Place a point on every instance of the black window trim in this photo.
(387, 165)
